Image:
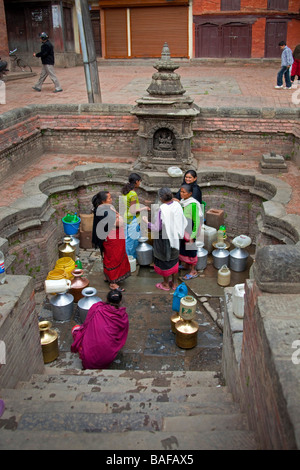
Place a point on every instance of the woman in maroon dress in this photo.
(103, 333)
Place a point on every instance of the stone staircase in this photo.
(69, 409)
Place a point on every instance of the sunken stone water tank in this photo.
(165, 120)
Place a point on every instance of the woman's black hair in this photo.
(132, 179)
(165, 194)
(99, 198)
(114, 297)
(191, 172)
(187, 187)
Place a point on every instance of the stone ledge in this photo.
(277, 269)
(14, 116)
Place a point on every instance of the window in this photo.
(280, 5)
(230, 5)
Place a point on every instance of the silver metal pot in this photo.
(62, 306)
(220, 255)
(238, 259)
(144, 252)
(75, 244)
(89, 298)
(202, 256)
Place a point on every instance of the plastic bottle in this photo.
(2, 268)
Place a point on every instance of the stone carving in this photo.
(165, 120)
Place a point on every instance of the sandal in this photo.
(171, 284)
(187, 277)
(161, 286)
(119, 289)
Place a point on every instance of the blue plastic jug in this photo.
(181, 291)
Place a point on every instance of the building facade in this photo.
(25, 20)
(125, 29)
(244, 28)
(198, 28)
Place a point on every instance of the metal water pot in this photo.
(220, 255)
(144, 252)
(62, 306)
(89, 298)
(202, 256)
(238, 259)
(75, 242)
(66, 250)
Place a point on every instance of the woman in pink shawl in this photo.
(103, 333)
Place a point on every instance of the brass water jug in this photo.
(49, 341)
(187, 328)
(66, 250)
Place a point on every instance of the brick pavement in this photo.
(232, 85)
(219, 85)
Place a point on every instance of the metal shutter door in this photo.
(115, 33)
(153, 26)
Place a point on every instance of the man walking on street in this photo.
(286, 62)
(47, 56)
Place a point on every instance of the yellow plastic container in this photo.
(67, 264)
(56, 274)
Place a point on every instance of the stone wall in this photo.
(19, 332)
(260, 364)
(110, 132)
(245, 134)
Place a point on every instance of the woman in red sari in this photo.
(108, 235)
(103, 333)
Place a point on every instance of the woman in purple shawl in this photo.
(104, 332)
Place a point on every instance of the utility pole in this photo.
(88, 51)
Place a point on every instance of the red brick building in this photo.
(139, 28)
(244, 28)
(22, 21)
(198, 28)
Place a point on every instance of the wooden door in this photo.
(39, 20)
(236, 41)
(68, 30)
(276, 31)
(207, 41)
(95, 19)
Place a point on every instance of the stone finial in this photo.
(165, 53)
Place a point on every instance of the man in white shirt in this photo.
(286, 63)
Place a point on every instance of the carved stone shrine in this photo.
(165, 120)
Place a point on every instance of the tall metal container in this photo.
(144, 252)
(238, 257)
(220, 255)
(201, 256)
(62, 306)
(89, 298)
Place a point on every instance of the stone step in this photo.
(59, 392)
(117, 422)
(130, 440)
(118, 409)
(15, 407)
(205, 422)
(107, 378)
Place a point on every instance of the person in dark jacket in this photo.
(47, 57)
(190, 177)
